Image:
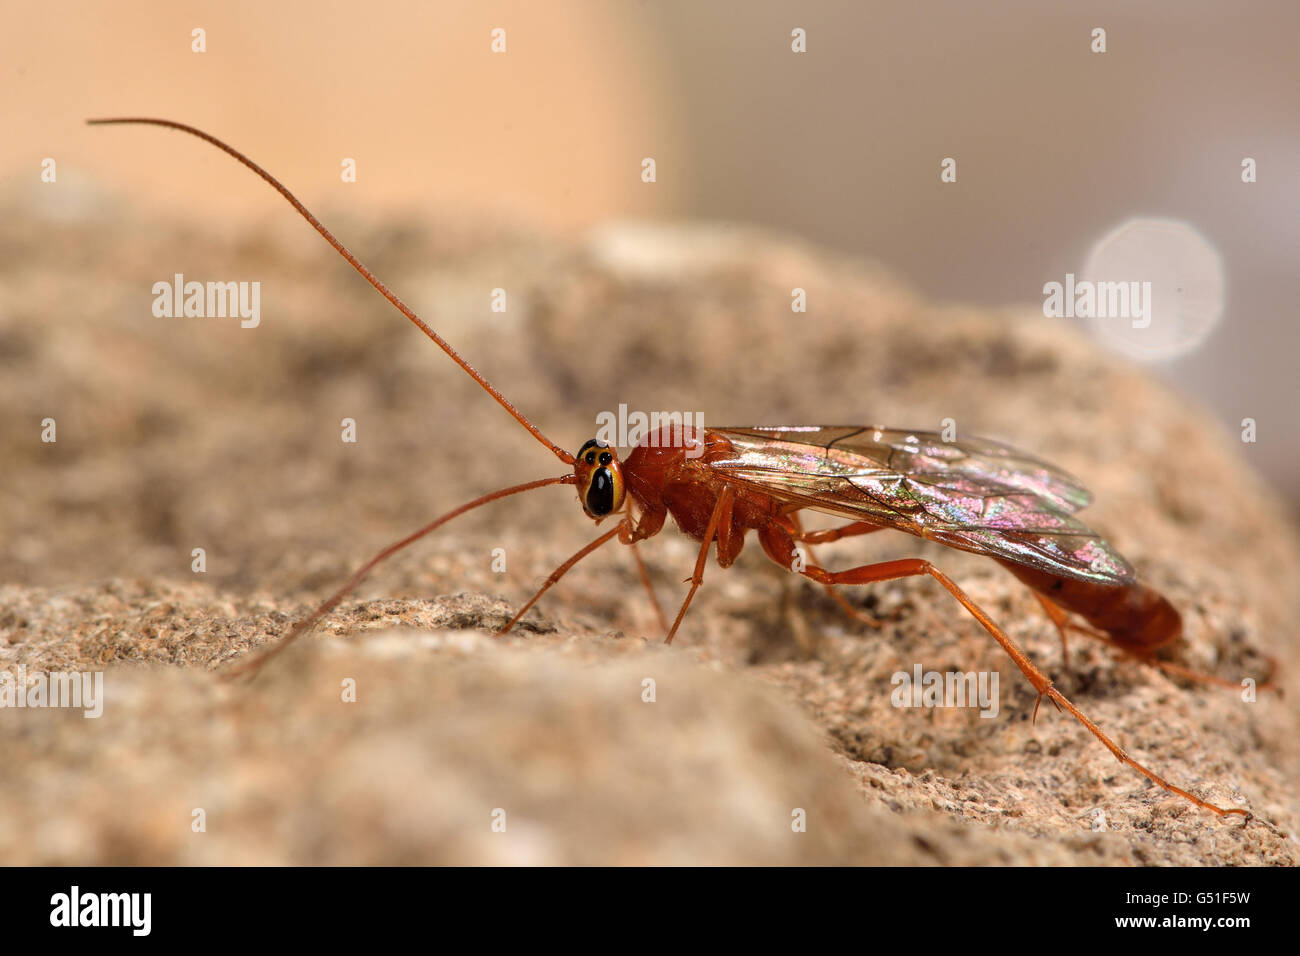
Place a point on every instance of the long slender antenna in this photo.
(252, 665)
(356, 263)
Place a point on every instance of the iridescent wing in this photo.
(971, 494)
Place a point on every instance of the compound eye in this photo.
(600, 493)
(591, 458)
(606, 458)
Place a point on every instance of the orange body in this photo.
(951, 492)
(664, 480)
(1136, 616)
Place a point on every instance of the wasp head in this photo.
(600, 479)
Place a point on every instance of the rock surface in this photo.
(771, 707)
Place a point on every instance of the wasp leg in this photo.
(719, 527)
(835, 534)
(1060, 618)
(775, 540)
(644, 572)
(251, 665)
(562, 570)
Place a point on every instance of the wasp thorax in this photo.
(600, 479)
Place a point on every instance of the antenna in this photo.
(356, 263)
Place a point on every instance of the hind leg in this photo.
(835, 534)
(1061, 619)
(775, 540)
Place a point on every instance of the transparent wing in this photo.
(972, 494)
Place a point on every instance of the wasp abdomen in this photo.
(1135, 615)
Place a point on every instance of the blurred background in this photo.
(1056, 146)
(184, 440)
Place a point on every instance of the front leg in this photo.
(647, 523)
(629, 534)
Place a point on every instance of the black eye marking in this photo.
(590, 443)
(591, 457)
(600, 493)
(606, 458)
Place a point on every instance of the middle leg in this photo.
(719, 527)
